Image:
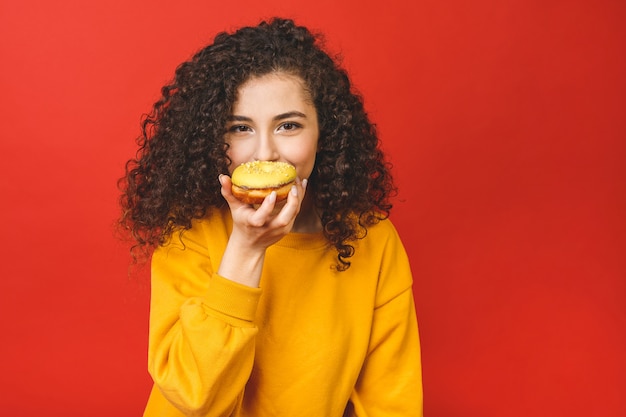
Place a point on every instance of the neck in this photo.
(307, 221)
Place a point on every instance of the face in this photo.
(273, 119)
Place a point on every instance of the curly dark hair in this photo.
(182, 145)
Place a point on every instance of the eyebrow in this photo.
(282, 116)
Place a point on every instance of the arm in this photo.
(390, 382)
(254, 230)
(202, 334)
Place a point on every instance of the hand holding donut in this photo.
(257, 228)
(255, 205)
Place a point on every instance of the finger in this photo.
(291, 209)
(227, 192)
(226, 185)
(302, 187)
(264, 211)
(300, 191)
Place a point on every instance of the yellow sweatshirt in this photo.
(310, 341)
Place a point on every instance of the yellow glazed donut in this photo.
(253, 181)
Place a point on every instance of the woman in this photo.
(302, 307)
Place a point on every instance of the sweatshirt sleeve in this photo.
(390, 382)
(202, 335)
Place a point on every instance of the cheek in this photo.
(237, 157)
(305, 159)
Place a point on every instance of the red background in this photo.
(505, 123)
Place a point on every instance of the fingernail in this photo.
(304, 183)
(294, 191)
(272, 197)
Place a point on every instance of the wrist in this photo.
(242, 263)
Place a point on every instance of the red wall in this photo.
(505, 123)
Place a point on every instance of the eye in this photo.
(238, 129)
(289, 126)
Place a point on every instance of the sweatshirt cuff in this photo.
(232, 299)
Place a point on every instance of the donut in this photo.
(253, 181)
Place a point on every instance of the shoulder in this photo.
(382, 253)
(384, 227)
(383, 233)
(381, 241)
(196, 249)
(213, 227)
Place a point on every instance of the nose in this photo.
(266, 149)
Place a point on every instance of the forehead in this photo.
(273, 89)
